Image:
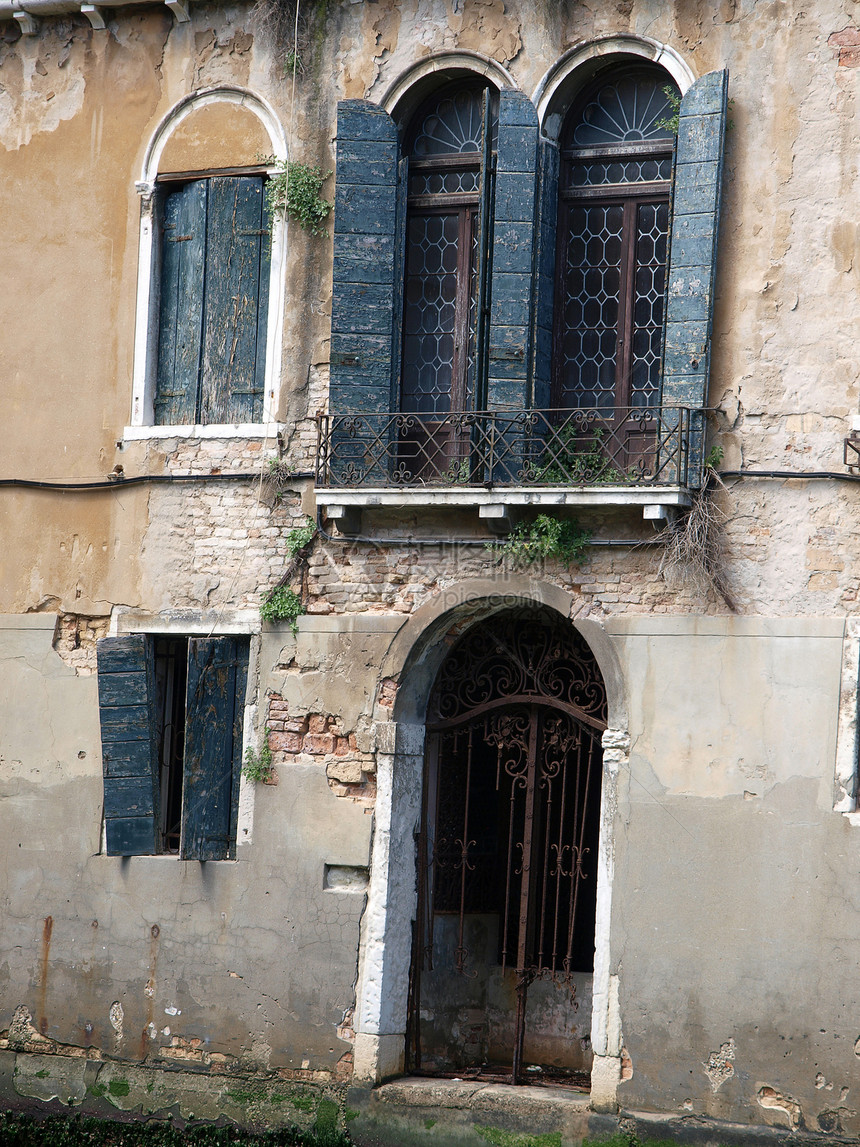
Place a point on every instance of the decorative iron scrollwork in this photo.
(521, 654)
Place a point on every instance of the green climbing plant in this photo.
(671, 122)
(283, 604)
(295, 189)
(544, 538)
(301, 536)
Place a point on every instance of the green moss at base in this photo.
(499, 1138)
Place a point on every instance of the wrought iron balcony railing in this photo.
(635, 446)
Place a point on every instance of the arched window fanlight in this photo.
(447, 148)
(617, 146)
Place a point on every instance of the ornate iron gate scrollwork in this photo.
(511, 793)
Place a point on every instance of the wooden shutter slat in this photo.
(364, 361)
(181, 306)
(694, 229)
(217, 676)
(254, 404)
(129, 759)
(228, 391)
(514, 249)
(548, 171)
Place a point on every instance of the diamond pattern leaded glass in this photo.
(592, 279)
(433, 242)
(597, 173)
(648, 302)
(439, 315)
(444, 182)
(613, 243)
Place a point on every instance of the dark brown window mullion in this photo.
(461, 309)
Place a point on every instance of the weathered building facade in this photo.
(590, 820)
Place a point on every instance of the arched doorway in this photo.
(507, 858)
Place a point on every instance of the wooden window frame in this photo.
(133, 722)
(206, 389)
(630, 195)
(466, 207)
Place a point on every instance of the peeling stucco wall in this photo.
(733, 884)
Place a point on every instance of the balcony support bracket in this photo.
(659, 512)
(346, 518)
(498, 517)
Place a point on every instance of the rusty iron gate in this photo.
(511, 806)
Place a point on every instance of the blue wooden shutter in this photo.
(129, 757)
(214, 710)
(181, 305)
(692, 254)
(365, 288)
(235, 301)
(548, 167)
(511, 345)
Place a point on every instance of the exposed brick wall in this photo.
(75, 638)
(316, 738)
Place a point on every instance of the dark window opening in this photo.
(447, 147)
(171, 673)
(172, 715)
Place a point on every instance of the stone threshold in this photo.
(475, 1095)
(414, 1111)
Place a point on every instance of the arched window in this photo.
(613, 231)
(210, 274)
(446, 147)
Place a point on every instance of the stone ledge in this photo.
(440, 497)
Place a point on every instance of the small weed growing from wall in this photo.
(671, 123)
(257, 767)
(293, 63)
(544, 538)
(295, 189)
(283, 604)
(300, 537)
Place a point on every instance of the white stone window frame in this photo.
(207, 623)
(142, 422)
(845, 781)
(571, 72)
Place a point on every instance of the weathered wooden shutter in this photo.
(235, 301)
(484, 269)
(692, 254)
(514, 251)
(367, 267)
(181, 306)
(214, 708)
(548, 169)
(129, 757)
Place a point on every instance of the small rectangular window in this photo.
(214, 295)
(172, 713)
